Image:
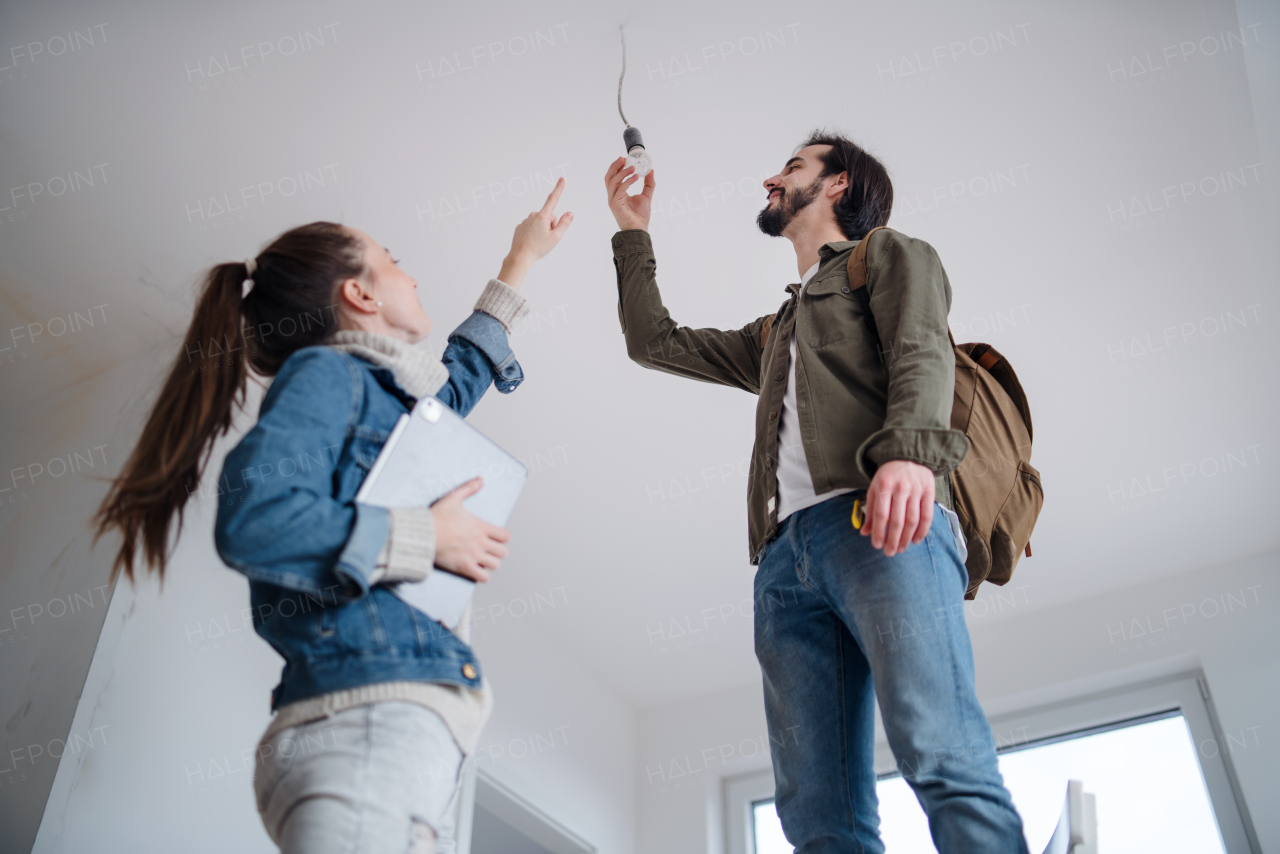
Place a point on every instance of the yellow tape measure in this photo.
(859, 514)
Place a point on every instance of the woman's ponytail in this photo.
(289, 303)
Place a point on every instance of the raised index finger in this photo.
(554, 197)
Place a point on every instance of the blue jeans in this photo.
(839, 625)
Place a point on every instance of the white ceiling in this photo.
(633, 523)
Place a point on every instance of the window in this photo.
(1149, 754)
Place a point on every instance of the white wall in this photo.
(542, 694)
(1027, 655)
(682, 749)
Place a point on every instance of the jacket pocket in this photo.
(328, 622)
(351, 628)
(832, 314)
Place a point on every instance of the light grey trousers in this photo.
(374, 779)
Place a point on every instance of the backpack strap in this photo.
(864, 300)
(857, 267)
(857, 272)
(767, 327)
(984, 355)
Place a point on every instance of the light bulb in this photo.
(640, 159)
(637, 155)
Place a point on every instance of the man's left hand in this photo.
(899, 506)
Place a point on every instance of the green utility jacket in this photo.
(855, 410)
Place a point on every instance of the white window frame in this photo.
(1186, 694)
(741, 795)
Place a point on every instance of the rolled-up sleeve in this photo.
(410, 548)
(486, 334)
(910, 298)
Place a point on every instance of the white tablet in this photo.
(431, 452)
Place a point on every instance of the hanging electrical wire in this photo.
(623, 36)
(637, 155)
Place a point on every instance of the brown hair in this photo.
(292, 304)
(869, 199)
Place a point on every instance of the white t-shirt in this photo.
(795, 485)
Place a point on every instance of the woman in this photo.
(377, 704)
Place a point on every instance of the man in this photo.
(845, 616)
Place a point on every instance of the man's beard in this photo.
(774, 220)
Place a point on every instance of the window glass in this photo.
(768, 830)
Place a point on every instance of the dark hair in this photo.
(292, 304)
(869, 199)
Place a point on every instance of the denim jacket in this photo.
(288, 520)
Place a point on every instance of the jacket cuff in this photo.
(357, 562)
(490, 337)
(502, 302)
(410, 548)
(938, 449)
(631, 242)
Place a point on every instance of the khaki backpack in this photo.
(997, 492)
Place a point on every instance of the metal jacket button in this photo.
(845, 289)
(468, 671)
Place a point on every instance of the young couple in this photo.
(378, 705)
